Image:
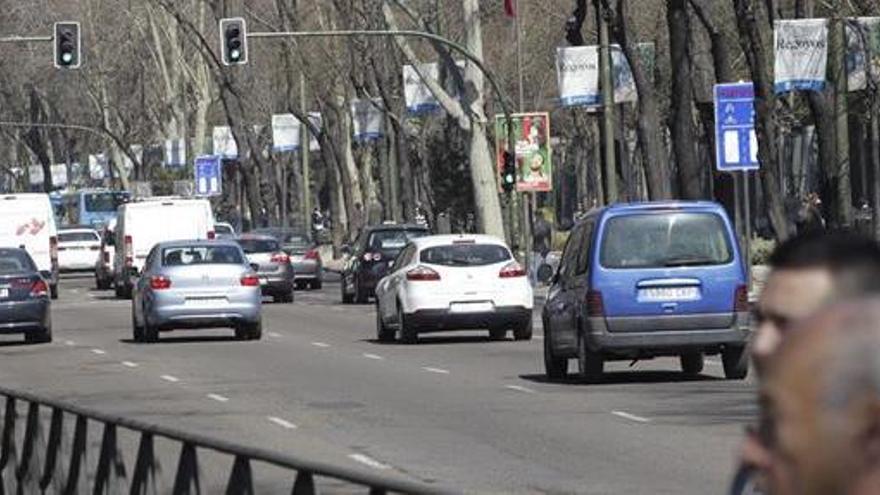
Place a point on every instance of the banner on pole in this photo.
(36, 177)
(862, 52)
(99, 166)
(577, 73)
(59, 174)
(286, 132)
(318, 121)
(534, 170)
(801, 54)
(368, 119)
(175, 153)
(419, 99)
(224, 143)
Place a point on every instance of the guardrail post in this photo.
(305, 484)
(29, 466)
(53, 447)
(111, 468)
(76, 472)
(241, 481)
(144, 478)
(8, 446)
(187, 478)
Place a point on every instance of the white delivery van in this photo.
(28, 221)
(140, 225)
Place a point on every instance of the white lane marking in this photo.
(99, 352)
(368, 461)
(631, 417)
(321, 345)
(714, 362)
(374, 356)
(218, 397)
(519, 388)
(130, 364)
(439, 371)
(275, 335)
(169, 378)
(70, 343)
(282, 423)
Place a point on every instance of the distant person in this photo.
(810, 215)
(357, 221)
(542, 237)
(821, 427)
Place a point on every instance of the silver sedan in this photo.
(197, 284)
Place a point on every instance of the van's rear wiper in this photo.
(688, 262)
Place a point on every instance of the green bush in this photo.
(761, 250)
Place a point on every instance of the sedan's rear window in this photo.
(223, 229)
(465, 255)
(252, 246)
(201, 255)
(393, 240)
(12, 262)
(665, 241)
(78, 237)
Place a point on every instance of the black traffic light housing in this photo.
(508, 172)
(233, 41)
(67, 40)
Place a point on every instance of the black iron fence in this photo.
(32, 462)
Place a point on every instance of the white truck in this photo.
(142, 224)
(27, 221)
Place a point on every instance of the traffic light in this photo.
(67, 45)
(234, 41)
(508, 172)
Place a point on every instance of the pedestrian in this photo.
(821, 421)
(542, 237)
(357, 221)
(810, 215)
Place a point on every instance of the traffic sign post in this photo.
(736, 147)
(208, 176)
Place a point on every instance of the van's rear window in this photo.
(666, 240)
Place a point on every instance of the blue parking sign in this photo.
(208, 176)
(736, 144)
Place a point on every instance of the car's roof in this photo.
(198, 243)
(663, 205)
(251, 236)
(445, 240)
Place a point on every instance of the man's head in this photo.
(807, 273)
(821, 406)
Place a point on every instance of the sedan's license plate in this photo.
(661, 294)
(205, 302)
(478, 307)
(4, 293)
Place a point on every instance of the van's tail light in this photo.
(312, 254)
(512, 270)
(741, 299)
(595, 303)
(280, 258)
(212, 235)
(160, 283)
(40, 289)
(53, 249)
(129, 251)
(422, 274)
(250, 281)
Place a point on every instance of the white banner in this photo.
(224, 143)
(368, 119)
(175, 153)
(286, 132)
(35, 175)
(59, 175)
(98, 166)
(862, 51)
(577, 72)
(318, 121)
(419, 98)
(801, 54)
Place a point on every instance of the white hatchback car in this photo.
(78, 249)
(454, 282)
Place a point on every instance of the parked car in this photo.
(272, 265)
(308, 267)
(79, 249)
(645, 280)
(24, 297)
(224, 230)
(104, 265)
(143, 224)
(374, 250)
(462, 282)
(196, 284)
(27, 221)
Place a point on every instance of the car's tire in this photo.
(555, 367)
(359, 296)
(692, 363)
(53, 291)
(284, 297)
(408, 333)
(497, 334)
(44, 336)
(299, 285)
(255, 330)
(241, 332)
(524, 330)
(591, 365)
(346, 297)
(136, 330)
(151, 333)
(735, 360)
(383, 333)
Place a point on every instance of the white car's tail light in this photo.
(160, 283)
(422, 274)
(250, 281)
(512, 270)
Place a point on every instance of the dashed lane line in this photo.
(368, 461)
(218, 397)
(130, 364)
(69, 343)
(170, 378)
(375, 357)
(631, 417)
(275, 335)
(520, 388)
(99, 352)
(322, 345)
(439, 371)
(282, 422)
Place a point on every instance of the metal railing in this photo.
(39, 466)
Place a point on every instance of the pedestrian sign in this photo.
(208, 176)
(736, 144)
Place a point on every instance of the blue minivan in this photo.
(638, 281)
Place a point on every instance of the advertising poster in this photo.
(801, 54)
(534, 169)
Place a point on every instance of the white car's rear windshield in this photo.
(78, 237)
(665, 241)
(465, 255)
(201, 255)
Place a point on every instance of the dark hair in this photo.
(853, 259)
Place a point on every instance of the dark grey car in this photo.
(24, 297)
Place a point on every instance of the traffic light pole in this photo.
(493, 82)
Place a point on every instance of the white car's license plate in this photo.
(662, 294)
(4, 293)
(205, 302)
(475, 307)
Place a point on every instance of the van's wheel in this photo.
(53, 291)
(408, 334)
(555, 367)
(383, 333)
(591, 364)
(736, 362)
(524, 330)
(692, 363)
(44, 336)
(497, 334)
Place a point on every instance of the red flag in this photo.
(510, 8)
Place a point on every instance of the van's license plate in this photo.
(663, 294)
